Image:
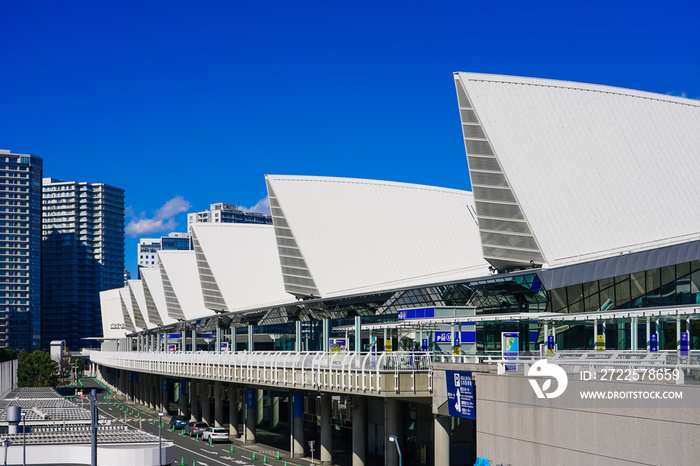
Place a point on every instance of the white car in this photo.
(217, 434)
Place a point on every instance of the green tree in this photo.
(7, 354)
(36, 369)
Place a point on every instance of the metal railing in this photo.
(306, 370)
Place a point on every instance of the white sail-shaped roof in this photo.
(340, 236)
(565, 172)
(128, 310)
(113, 324)
(155, 297)
(138, 304)
(183, 291)
(239, 266)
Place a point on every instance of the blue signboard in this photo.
(654, 343)
(684, 344)
(171, 336)
(425, 344)
(550, 345)
(460, 394)
(183, 387)
(165, 384)
(446, 337)
(408, 314)
(250, 398)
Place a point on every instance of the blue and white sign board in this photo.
(171, 336)
(446, 337)
(654, 343)
(460, 394)
(425, 344)
(509, 348)
(550, 345)
(684, 343)
(409, 314)
(224, 347)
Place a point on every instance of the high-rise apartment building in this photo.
(20, 250)
(82, 254)
(148, 248)
(227, 213)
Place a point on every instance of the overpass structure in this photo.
(367, 302)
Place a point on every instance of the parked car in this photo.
(178, 422)
(188, 428)
(217, 434)
(197, 428)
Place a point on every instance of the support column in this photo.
(678, 336)
(633, 333)
(250, 416)
(358, 335)
(442, 440)
(194, 338)
(182, 401)
(218, 339)
(298, 426)
(218, 405)
(359, 430)
(297, 341)
(259, 406)
(326, 335)
(274, 414)
(250, 338)
(391, 427)
(595, 335)
(194, 401)
(206, 405)
(326, 432)
(648, 333)
(233, 411)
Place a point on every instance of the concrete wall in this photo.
(515, 427)
(8, 377)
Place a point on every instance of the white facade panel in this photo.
(597, 171)
(244, 261)
(112, 315)
(140, 311)
(153, 281)
(181, 268)
(358, 236)
(125, 296)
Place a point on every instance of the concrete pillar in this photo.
(297, 339)
(251, 346)
(359, 430)
(298, 426)
(326, 432)
(194, 338)
(358, 335)
(182, 400)
(218, 404)
(194, 401)
(250, 416)
(206, 405)
(233, 411)
(442, 440)
(259, 407)
(391, 427)
(274, 414)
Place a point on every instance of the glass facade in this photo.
(20, 251)
(82, 254)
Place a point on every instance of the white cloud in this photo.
(163, 219)
(261, 207)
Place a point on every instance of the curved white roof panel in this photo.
(155, 297)
(113, 325)
(239, 266)
(565, 172)
(128, 310)
(138, 304)
(183, 291)
(339, 236)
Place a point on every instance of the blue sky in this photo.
(184, 104)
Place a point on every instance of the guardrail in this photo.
(306, 370)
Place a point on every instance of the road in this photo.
(188, 451)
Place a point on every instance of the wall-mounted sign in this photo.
(460, 394)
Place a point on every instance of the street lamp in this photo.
(392, 438)
(160, 444)
(24, 438)
(5, 443)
